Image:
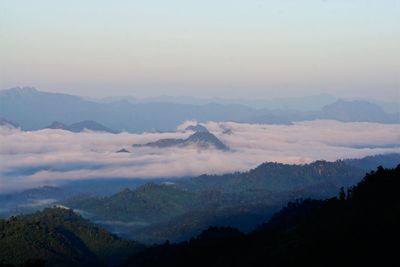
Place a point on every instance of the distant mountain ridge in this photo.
(359, 111)
(81, 126)
(306, 103)
(34, 109)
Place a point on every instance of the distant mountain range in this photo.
(33, 109)
(301, 103)
(305, 103)
(201, 139)
(348, 111)
(80, 127)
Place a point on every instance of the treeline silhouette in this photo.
(360, 227)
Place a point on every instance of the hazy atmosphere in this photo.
(228, 48)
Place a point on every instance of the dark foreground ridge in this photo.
(359, 228)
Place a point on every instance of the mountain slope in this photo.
(156, 212)
(148, 203)
(278, 177)
(60, 237)
(31, 200)
(320, 178)
(245, 217)
(200, 139)
(196, 128)
(359, 228)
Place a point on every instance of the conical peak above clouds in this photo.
(200, 140)
(196, 128)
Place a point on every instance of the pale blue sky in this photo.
(225, 48)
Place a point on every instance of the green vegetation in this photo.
(150, 202)
(62, 238)
(176, 211)
(277, 177)
(192, 223)
(156, 212)
(359, 228)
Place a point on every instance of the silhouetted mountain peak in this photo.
(196, 128)
(57, 125)
(202, 140)
(205, 140)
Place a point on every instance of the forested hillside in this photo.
(357, 228)
(60, 237)
(180, 209)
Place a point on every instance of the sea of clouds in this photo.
(50, 156)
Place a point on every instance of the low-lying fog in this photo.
(51, 156)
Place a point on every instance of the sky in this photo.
(208, 48)
(50, 157)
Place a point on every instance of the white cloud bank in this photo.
(51, 156)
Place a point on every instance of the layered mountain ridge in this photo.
(80, 127)
(33, 110)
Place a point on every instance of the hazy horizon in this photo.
(235, 49)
